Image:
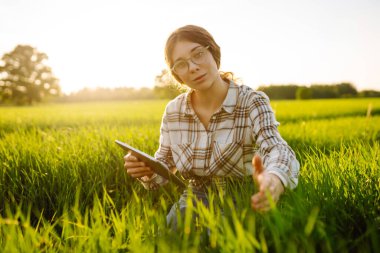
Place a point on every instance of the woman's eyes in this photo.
(181, 64)
(198, 55)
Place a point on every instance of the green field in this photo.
(63, 187)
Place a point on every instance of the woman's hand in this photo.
(135, 168)
(268, 184)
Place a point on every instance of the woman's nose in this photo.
(193, 66)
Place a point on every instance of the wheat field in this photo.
(63, 187)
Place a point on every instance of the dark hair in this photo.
(198, 35)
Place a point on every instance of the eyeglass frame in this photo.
(187, 60)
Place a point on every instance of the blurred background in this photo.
(83, 50)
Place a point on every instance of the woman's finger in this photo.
(138, 170)
(139, 175)
(258, 197)
(265, 208)
(260, 204)
(258, 165)
(131, 164)
(130, 157)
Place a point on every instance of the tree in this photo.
(280, 91)
(303, 93)
(108, 94)
(25, 78)
(166, 86)
(369, 93)
(324, 91)
(347, 90)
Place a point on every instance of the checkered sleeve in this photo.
(163, 154)
(278, 157)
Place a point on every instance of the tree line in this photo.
(25, 79)
(167, 87)
(316, 91)
(107, 94)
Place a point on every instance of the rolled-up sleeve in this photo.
(278, 157)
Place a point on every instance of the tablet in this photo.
(157, 166)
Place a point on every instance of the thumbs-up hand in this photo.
(269, 185)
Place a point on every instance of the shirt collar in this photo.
(231, 99)
(228, 105)
(188, 106)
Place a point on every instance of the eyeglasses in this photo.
(198, 56)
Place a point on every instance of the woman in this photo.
(211, 133)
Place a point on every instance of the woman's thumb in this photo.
(257, 163)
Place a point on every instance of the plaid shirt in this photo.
(244, 125)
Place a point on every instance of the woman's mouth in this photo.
(199, 78)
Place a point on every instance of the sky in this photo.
(120, 43)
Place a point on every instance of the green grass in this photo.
(63, 187)
(296, 110)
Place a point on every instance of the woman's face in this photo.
(194, 65)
